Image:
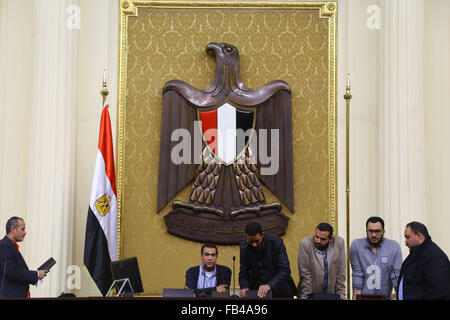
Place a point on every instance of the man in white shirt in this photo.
(209, 276)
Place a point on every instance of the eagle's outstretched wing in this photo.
(275, 113)
(177, 113)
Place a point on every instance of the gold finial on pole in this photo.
(348, 97)
(104, 92)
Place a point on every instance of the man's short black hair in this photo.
(253, 228)
(325, 227)
(209, 245)
(375, 220)
(417, 227)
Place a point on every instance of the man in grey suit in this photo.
(322, 263)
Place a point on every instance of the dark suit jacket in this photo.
(223, 276)
(276, 264)
(426, 273)
(15, 277)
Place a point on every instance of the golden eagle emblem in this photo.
(102, 205)
(227, 170)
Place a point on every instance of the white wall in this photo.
(360, 47)
(98, 50)
(437, 119)
(358, 55)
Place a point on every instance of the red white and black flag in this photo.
(223, 130)
(101, 244)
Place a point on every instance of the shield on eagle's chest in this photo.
(227, 131)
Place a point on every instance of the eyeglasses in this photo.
(374, 231)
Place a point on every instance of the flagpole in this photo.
(348, 97)
(104, 92)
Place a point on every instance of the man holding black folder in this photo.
(15, 277)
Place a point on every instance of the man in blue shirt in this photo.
(209, 276)
(375, 261)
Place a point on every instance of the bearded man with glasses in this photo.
(375, 261)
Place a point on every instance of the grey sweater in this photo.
(375, 273)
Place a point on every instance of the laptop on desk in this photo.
(127, 269)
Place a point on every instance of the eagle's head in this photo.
(228, 74)
(222, 50)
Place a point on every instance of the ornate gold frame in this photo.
(129, 8)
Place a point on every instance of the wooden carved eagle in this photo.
(225, 170)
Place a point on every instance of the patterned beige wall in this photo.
(295, 45)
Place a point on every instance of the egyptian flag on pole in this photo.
(101, 244)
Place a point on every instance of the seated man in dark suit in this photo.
(264, 264)
(209, 276)
(15, 277)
